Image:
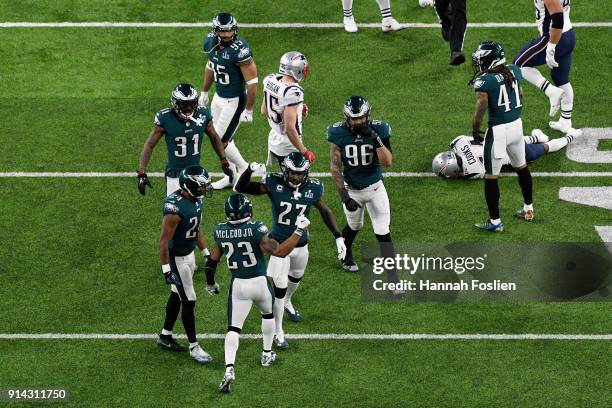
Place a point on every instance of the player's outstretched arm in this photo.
(246, 186)
(272, 247)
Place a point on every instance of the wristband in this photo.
(299, 231)
(205, 253)
(166, 268)
(252, 81)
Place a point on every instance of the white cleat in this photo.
(222, 183)
(390, 24)
(562, 125)
(200, 355)
(426, 3)
(540, 136)
(574, 132)
(555, 99)
(228, 379)
(268, 359)
(350, 26)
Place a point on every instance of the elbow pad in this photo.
(557, 20)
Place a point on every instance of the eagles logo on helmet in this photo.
(225, 28)
(357, 113)
(184, 100)
(195, 181)
(238, 209)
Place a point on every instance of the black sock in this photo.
(524, 178)
(387, 250)
(492, 198)
(349, 236)
(188, 317)
(173, 306)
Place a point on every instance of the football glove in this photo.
(203, 99)
(213, 289)
(143, 182)
(310, 156)
(341, 247)
(258, 169)
(477, 135)
(301, 224)
(550, 55)
(167, 274)
(225, 167)
(350, 204)
(246, 116)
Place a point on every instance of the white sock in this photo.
(558, 144)
(292, 287)
(279, 311)
(567, 101)
(527, 207)
(267, 330)
(496, 221)
(166, 332)
(233, 156)
(347, 6)
(535, 77)
(385, 8)
(231, 347)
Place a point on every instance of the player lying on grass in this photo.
(466, 158)
(244, 241)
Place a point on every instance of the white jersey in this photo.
(471, 154)
(279, 95)
(543, 17)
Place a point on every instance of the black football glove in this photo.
(349, 203)
(143, 182)
(225, 167)
(477, 135)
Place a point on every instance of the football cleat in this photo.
(167, 342)
(292, 313)
(280, 341)
(574, 133)
(390, 24)
(222, 183)
(489, 226)
(267, 358)
(555, 99)
(226, 383)
(199, 355)
(349, 25)
(457, 58)
(349, 265)
(562, 125)
(540, 136)
(426, 3)
(525, 215)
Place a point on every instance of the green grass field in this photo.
(79, 255)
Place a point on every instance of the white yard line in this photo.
(136, 24)
(314, 336)
(314, 174)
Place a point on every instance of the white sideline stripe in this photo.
(314, 174)
(109, 24)
(314, 336)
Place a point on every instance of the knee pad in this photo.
(279, 293)
(381, 230)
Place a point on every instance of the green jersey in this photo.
(240, 244)
(289, 203)
(225, 65)
(505, 103)
(360, 165)
(183, 138)
(184, 240)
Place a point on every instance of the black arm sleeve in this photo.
(557, 20)
(245, 185)
(210, 269)
(387, 143)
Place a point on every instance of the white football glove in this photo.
(257, 168)
(203, 99)
(247, 116)
(213, 289)
(550, 55)
(302, 222)
(341, 247)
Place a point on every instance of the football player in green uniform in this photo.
(230, 66)
(180, 234)
(243, 242)
(292, 194)
(183, 127)
(359, 149)
(498, 91)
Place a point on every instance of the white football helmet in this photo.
(294, 64)
(446, 165)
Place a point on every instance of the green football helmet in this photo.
(184, 100)
(195, 181)
(295, 169)
(238, 209)
(488, 54)
(225, 22)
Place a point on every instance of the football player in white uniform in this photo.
(230, 67)
(554, 48)
(466, 158)
(283, 104)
